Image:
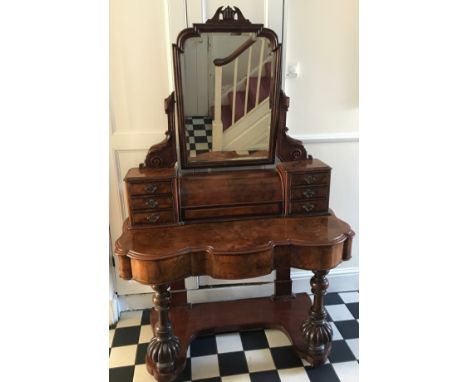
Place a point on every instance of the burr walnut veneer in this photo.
(231, 223)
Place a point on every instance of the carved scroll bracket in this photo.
(288, 149)
(164, 154)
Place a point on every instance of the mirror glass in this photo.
(227, 80)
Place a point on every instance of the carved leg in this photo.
(164, 346)
(316, 329)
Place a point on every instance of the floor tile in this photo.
(323, 373)
(336, 333)
(236, 378)
(255, 339)
(259, 360)
(142, 375)
(265, 376)
(354, 346)
(145, 317)
(205, 367)
(204, 345)
(340, 352)
(348, 329)
(111, 336)
(277, 338)
(122, 356)
(146, 333)
(353, 307)
(132, 318)
(141, 353)
(232, 363)
(347, 371)
(333, 299)
(297, 374)
(285, 357)
(228, 342)
(348, 297)
(339, 312)
(121, 374)
(126, 336)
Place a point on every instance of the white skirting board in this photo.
(341, 280)
(114, 310)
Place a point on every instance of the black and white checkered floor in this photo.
(257, 356)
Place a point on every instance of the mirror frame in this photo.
(228, 20)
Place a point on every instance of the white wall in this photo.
(138, 65)
(322, 38)
(140, 79)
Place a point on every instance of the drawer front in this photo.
(310, 179)
(309, 193)
(306, 207)
(149, 188)
(235, 187)
(234, 211)
(147, 202)
(153, 217)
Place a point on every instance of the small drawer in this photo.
(149, 188)
(153, 217)
(146, 202)
(310, 179)
(309, 193)
(309, 206)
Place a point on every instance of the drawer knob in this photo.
(153, 218)
(151, 188)
(152, 203)
(308, 193)
(308, 207)
(310, 179)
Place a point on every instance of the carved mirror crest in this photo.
(227, 74)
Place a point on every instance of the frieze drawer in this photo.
(309, 193)
(233, 211)
(153, 217)
(149, 188)
(310, 179)
(147, 202)
(306, 207)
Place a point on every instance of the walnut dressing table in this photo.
(235, 198)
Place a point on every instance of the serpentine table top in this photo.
(232, 249)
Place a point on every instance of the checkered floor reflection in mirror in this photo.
(198, 134)
(257, 355)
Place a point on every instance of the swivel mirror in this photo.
(227, 86)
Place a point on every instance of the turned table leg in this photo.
(164, 346)
(316, 329)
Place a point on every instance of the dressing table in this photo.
(229, 194)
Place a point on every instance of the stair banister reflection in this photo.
(217, 124)
(234, 87)
(249, 64)
(259, 78)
